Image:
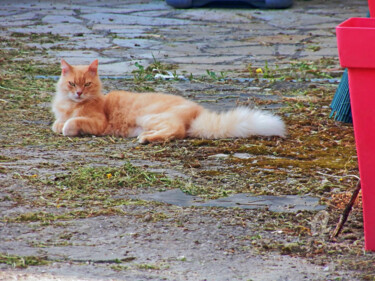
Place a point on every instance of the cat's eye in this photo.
(88, 84)
(72, 84)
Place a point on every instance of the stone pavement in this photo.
(121, 33)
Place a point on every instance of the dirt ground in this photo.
(72, 208)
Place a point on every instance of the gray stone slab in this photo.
(59, 28)
(287, 203)
(80, 42)
(121, 30)
(6, 23)
(79, 57)
(119, 68)
(290, 19)
(122, 7)
(18, 17)
(207, 60)
(237, 16)
(137, 43)
(107, 18)
(61, 19)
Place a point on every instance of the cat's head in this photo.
(79, 82)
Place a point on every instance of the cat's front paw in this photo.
(144, 138)
(57, 127)
(70, 129)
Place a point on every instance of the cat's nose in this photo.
(79, 93)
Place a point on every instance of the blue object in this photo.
(268, 4)
(341, 109)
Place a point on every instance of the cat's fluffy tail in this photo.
(240, 122)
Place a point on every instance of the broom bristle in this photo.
(340, 105)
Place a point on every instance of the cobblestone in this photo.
(195, 39)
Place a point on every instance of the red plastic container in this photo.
(356, 45)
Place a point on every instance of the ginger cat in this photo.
(81, 108)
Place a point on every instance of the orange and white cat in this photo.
(80, 108)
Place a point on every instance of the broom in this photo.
(340, 105)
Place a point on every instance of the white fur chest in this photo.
(62, 107)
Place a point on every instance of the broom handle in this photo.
(371, 6)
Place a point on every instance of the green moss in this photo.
(259, 149)
(6, 159)
(22, 261)
(211, 173)
(202, 142)
(38, 244)
(119, 267)
(38, 38)
(85, 180)
(148, 266)
(327, 162)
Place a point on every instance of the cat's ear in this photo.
(65, 67)
(93, 67)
